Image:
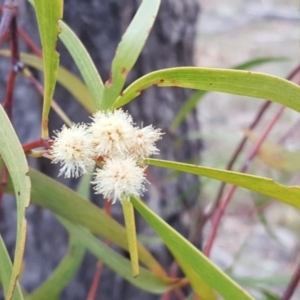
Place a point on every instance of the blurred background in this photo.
(258, 238)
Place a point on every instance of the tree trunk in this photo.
(100, 25)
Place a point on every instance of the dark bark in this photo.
(100, 24)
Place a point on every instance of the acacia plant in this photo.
(113, 153)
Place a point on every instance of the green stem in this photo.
(131, 235)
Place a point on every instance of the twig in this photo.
(206, 216)
(173, 274)
(241, 145)
(97, 276)
(36, 144)
(288, 293)
(225, 201)
(37, 85)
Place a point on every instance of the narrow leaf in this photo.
(193, 100)
(129, 49)
(275, 155)
(236, 82)
(286, 194)
(146, 281)
(15, 161)
(191, 256)
(6, 271)
(62, 275)
(68, 80)
(187, 107)
(48, 13)
(84, 63)
(64, 202)
(200, 287)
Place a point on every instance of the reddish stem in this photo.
(26, 38)
(8, 98)
(9, 12)
(173, 274)
(29, 42)
(226, 200)
(9, 15)
(292, 285)
(3, 182)
(241, 145)
(36, 144)
(97, 276)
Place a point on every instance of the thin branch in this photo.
(36, 144)
(10, 11)
(241, 145)
(38, 86)
(225, 201)
(292, 285)
(97, 276)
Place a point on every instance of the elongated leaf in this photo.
(122, 266)
(64, 202)
(236, 82)
(62, 275)
(65, 271)
(286, 194)
(48, 13)
(276, 280)
(129, 49)
(15, 161)
(84, 63)
(6, 271)
(269, 295)
(187, 107)
(200, 287)
(275, 155)
(191, 256)
(69, 81)
(192, 101)
(252, 63)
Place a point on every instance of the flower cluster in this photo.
(113, 142)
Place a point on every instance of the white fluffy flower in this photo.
(144, 142)
(119, 178)
(111, 133)
(73, 150)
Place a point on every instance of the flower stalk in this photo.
(131, 235)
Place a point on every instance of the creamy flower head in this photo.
(111, 133)
(144, 142)
(72, 149)
(119, 178)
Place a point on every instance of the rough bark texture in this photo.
(100, 24)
